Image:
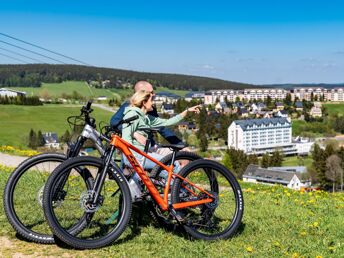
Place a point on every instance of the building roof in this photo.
(298, 104)
(261, 121)
(167, 106)
(16, 91)
(50, 138)
(269, 175)
(167, 94)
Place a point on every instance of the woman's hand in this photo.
(195, 109)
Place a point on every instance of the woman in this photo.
(141, 103)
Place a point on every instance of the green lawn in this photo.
(278, 222)
(177, 92)
(334, 109)
(57, 89)
(297, 161)
(16, 121)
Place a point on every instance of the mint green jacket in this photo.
(143, 121)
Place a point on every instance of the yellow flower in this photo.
(288, 194)
(316, 224)
(295, 255)
(249, 249)
(303, 233)
(318, 256)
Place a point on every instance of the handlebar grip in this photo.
(128, 120)
(89, 103)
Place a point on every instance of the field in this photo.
(278, 222)
(16, 121)
(334, 109)
(57, 89)
(295, 161)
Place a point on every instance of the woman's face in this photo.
(149, 104)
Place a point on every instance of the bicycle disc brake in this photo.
(86, 201)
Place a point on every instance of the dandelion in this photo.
(303, 233)
(288, 194)
(295, 255)
(318, 256)
(315, 224)
(249, 249)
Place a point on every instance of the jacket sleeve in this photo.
(165, 132)
(118, 116)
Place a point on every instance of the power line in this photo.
(32, 52)
(16, 53)
(34, 45)
(14, 58)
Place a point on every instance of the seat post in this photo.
(147, 145)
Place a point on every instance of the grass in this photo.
(278, 222)
(16, 121)
(67, 87)
(177, 92)
(295, 161)
(56, 90)
(334, 109)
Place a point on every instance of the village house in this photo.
(281, 113)
(299, 106)
(51, 140)
(167, 109)
(188, 127)
(199, 95)
(11, 93)
(270, 176)
(165, 97)
(316, 110)
(222, 107)
(279, 106)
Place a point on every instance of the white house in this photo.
(51, 140)
(167, 109)
(289, 179)
(11, 93)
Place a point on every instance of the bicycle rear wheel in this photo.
(23, 196)
(218, 219)
(66, 204)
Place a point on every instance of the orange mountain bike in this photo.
(203, 197)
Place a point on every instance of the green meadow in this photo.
(278, 222)
(56, 90)
(16, 121)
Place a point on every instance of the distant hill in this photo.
(294, 85)
(32, 75)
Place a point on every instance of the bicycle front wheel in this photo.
(67, 200)
(218, 219)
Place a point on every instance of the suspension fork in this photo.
(72, 152)
(100, 178)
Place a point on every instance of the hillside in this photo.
(33, 75)
(278, 222)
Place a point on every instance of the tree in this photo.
(40, 141)
(32, 139)
(334, 169)
(265, 162)
(276, 159)
(202, 131)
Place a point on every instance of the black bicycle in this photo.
(23, 192)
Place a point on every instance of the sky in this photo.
(259, 42)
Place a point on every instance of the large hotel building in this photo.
(259, 136)
(334, 94)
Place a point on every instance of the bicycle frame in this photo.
(126, 148)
